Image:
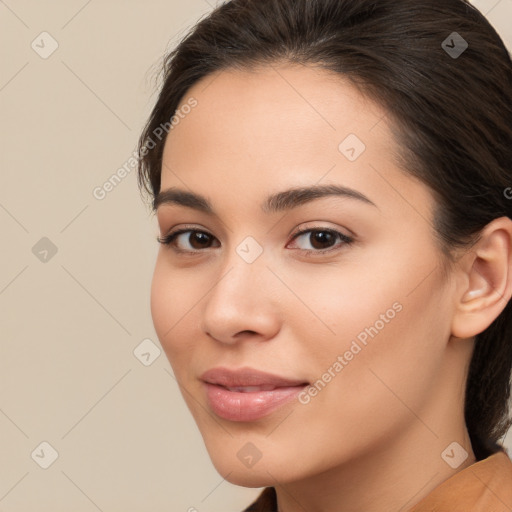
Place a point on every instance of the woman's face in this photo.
(366, 322)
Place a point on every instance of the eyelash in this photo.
(170, 238)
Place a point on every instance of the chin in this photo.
(251, 483)
(247, 477)
(264, 472)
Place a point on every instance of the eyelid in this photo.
(307, 226)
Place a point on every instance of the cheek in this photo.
(161, 307)
(387, 351)
(172, 300)
(336, 304)
(390, 319)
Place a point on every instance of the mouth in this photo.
(248, 394)
(250, 389)
(246, 378)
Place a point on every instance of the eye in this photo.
(321, 239)
(199, 240)
(318, 238)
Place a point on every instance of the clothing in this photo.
(485, 486)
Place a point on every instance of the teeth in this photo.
(249, 389)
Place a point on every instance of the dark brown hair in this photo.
(451, 115)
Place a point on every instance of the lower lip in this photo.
(235, 406)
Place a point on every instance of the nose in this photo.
(242, 303)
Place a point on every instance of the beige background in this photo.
(70, 324)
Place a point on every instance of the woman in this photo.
(332, 182)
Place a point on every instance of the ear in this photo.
(485, 280)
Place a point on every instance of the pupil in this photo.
(201, 236)
(319, 236)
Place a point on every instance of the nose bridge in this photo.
(249, 250)
(244, 267)
(239, 299)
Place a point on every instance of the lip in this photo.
(250, 404)
(246, 376)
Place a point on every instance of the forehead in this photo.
(278, 126)
(273, 115)
(282, 95)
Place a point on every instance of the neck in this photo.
(393, 479)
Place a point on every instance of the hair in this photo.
(451, 116)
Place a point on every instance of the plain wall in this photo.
(70, 320)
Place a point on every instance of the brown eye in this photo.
(322, 240)
(197, 240)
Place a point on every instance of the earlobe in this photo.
(487, 278)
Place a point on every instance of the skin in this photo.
(372, 438)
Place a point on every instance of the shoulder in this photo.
(484, 486)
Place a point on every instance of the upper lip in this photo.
(246, 377)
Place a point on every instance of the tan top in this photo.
(485, 486)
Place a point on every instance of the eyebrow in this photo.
(280, 201)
